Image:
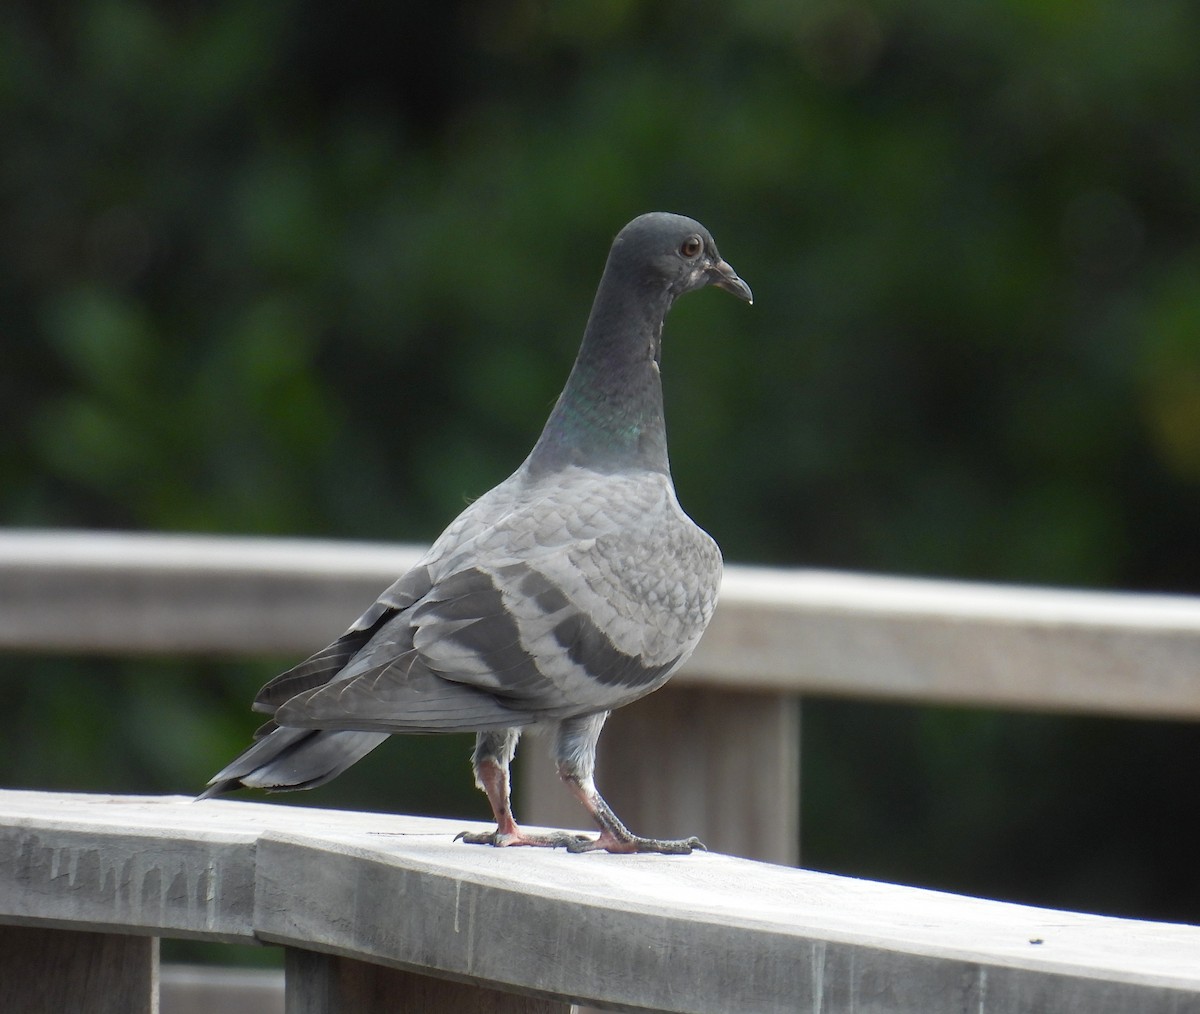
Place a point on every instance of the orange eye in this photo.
(691, 247)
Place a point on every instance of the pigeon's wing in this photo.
(581, 601)
(325, 666)
(371, 673)
(389, 688)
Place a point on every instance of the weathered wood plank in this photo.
(956, 642)
(49, 971)
(206, 989)
(722, 765)
(71, 860)
(132, 594)
(700, 933)
(709, 933)
(794, 631)
(328, 984)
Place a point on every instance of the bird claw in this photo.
(499, 839)
(633, 843)
(579, 843)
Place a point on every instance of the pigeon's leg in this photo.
(575, 752)
(493, 754)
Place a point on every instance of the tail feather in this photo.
(293, 759)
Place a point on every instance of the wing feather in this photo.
(536, 604)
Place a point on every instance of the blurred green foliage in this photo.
(301, 268)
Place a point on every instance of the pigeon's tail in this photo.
(293, 759)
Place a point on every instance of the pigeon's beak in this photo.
(724, 277)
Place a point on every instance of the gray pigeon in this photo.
(574, 587)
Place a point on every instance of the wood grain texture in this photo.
(51, 971)
(328, 984)
(703, 933)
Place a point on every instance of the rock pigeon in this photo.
(574, 587)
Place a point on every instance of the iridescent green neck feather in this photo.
(610, 414)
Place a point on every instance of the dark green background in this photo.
(314, 269)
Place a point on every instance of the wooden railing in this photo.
(371, 909)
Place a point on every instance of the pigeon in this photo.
(574, 587)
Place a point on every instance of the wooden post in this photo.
(327, 984)
(723, 765)
(48, 971)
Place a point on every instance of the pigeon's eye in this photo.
(691, 247)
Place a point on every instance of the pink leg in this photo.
(575, 749)
(493, 779)
(614, 835)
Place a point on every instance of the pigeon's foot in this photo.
(629, 843)
(614, 835)
(503, 839)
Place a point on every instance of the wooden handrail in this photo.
(696, 933)
(790, 631)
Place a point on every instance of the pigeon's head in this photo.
(676, 252)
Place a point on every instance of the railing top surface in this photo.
(701, 932)
(149, 554)
(801, 631)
